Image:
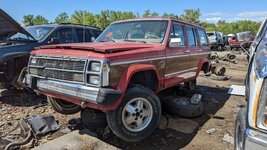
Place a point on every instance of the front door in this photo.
(177, 55)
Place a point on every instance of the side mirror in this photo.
(175, 42)
(54, 41)
(93, 39)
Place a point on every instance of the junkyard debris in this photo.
(77, 140)
(229, 139)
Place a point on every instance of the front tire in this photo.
(137, 116)
(63, 107)
(240, 129)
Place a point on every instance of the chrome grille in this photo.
(66, 69)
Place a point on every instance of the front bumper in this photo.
(100, 96)
(255, 140)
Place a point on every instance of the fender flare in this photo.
(126, 77)
(201, 62)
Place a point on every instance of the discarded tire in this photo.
(183, 108)
(219, 78)
(93, 118)
(220, 71)
(62, 106)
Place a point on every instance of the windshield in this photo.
(147, 31)
(244, 36)
(37, 32)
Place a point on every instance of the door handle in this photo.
(187, 51)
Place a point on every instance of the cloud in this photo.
(214, 17)
(213, 20)
(253, 14)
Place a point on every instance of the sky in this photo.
(211, 10)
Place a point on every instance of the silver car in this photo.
(251, 121)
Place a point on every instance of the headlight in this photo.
(95, 66)
(262, 107)
(93, 79)
(98, 73)
(33, 61)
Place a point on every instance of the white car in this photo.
(251, 121)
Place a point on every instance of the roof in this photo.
(160, 18)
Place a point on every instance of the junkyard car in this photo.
(243, 37)
(122, 71)
(17, 42)
(216, 40)
(251, 122)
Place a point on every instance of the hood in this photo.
(104, 47)
(9, 27)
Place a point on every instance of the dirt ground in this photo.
(201, 133)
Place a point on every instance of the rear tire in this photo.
(137, 116)
(240, 129)
(63, 107)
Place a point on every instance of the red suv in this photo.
(122, 72)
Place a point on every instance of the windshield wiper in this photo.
(20, 38)
(127, 40)
(107, 41)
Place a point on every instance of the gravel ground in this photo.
(213, 130)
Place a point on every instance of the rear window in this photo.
(203, 37)
(210, 34)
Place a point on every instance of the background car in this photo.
(17, 42)
(216, 40)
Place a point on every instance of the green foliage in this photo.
(191, 15)
(106, 17)
(235, 27)
(147, 13)
(40, 20)
(62, 18)
(30, 20)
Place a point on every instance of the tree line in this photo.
(105, 17)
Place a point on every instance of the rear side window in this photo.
(83, 35)
(203, 38)
(64, 35)
(177, 34)
(191, 37)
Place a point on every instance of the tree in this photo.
(40, 20)
(103, 19)
(28, 20)
(191, 15)
(62, 18)
(83, 17)
(147, 13)
(168, 15)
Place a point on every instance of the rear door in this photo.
(195, 51)
(176, 56)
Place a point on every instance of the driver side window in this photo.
(63, 35)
